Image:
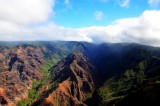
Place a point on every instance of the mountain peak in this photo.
(75, 77)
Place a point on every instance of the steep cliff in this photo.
(76, 79)
(18, 66)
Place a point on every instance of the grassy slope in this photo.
(118, 90)
(55, 51)
(37, 84)
(128, 76)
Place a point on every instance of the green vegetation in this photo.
(44, 94)
(36, 84)
(54, 52)
(32, 93)
(124, 71)
(116, 89)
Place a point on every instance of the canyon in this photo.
(59, 73)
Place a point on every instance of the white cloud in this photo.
(144, 29)
(124, 3)
(25, 11)
(99, 15)
(154, 3)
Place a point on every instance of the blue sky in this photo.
(81, 13)
(97, 21)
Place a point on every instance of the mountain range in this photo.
(70, 73)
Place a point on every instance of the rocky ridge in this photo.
(75, 77)
(18, 66)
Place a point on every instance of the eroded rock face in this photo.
(3, 99)
(17, 66)
(75, 76)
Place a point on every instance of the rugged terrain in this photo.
(18, 66)
(75, 76)
(78, 74)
